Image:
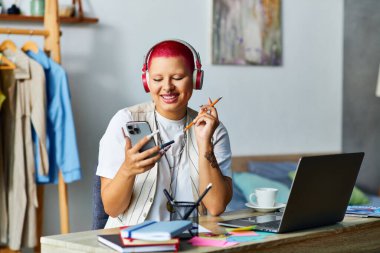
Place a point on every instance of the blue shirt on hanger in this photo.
(61, 140)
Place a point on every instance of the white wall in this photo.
(268, 110)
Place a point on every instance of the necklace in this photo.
(172, 167)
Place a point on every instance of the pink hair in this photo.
(171, 48)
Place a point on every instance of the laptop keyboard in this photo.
(270, 225)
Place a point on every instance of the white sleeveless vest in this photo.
(144, 188)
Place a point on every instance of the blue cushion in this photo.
(278, 171)
(99, 216)
(238, 199)
(374, 200)
(247, 182)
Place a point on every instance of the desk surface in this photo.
(352, 235)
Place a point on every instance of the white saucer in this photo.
(265, 209)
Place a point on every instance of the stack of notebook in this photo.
(116, 242)
(149, 236)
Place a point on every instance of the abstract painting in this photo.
(247, 32)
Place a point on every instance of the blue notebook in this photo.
(156, 231)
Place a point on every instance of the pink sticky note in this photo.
(244, 233)
(199, 241)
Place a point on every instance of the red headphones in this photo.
(197, 74)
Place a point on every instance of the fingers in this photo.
(147, 153)
(128, 143)
(213, 112)
(149, 162)
(139, 163)
(141, 143)
(207, 110)
(206, 119)
(122, 130)
(147, 159)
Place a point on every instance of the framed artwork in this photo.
(247, 32)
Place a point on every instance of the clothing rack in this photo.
(51, 35)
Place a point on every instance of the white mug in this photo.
(265, 197)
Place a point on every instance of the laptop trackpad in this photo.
(262, 219)
(244, 222)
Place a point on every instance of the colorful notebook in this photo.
(156, 231)
(119, 244)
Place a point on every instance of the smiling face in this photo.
(171, 86)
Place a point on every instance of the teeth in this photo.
(168, 96)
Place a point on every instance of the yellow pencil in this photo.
(212, 105)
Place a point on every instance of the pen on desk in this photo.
(198, 201)
(248, 228)
(192, 123)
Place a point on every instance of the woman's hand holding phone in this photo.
(137, 162)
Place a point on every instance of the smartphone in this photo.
(138, 130)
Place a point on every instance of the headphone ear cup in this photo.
(198, 79)
(145, 81)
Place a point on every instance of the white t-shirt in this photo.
(176, 181)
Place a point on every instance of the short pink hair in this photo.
(171, 48)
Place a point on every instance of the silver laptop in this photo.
(319, 195)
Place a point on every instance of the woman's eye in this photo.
(177, 78)
(157, 80)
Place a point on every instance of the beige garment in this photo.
(145, 184)
(28, 107)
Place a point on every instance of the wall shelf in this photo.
(64, 20)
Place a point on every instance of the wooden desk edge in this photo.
(349, 225)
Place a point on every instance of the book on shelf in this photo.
(363, 211)
(116, 242)
(156, 230)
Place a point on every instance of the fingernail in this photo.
(153, 134)
(125, 136)
(163, 151)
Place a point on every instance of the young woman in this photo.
(132, 183)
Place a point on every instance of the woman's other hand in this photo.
(205, 124)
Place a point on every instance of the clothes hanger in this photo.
(6, 63)
(30, 46)
(8, 44)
